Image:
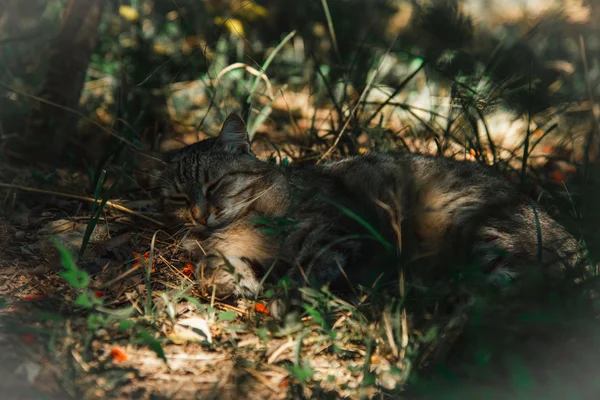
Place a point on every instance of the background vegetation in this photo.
(90, 88)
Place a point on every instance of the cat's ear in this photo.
(233, 136)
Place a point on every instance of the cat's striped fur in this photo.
(247, 215)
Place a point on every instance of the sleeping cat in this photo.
(347, 219)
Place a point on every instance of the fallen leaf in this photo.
(188, 270)
(191, 329)
(548, 149)
(30, 369)
(118, 355)
(140, 264)
(261, 308)
(559, 176)
(28, 338)
(284, 383)
(34, 297)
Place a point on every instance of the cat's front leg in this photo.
(227, 275)
(324, 256)
(234, 259)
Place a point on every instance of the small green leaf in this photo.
(316, 315)
(395, 370)
(303, 373)
(125, 324)
(431, 335)
(83, 300)
(194, 301)
(75, 277)
(226, 316)
(154, 344)
(262, 333)
(368, 380)
(95, 321)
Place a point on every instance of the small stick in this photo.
(84, 198)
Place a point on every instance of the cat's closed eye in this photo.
(180, 199)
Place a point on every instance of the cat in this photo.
(332, 223)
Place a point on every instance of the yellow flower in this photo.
(251, 11)
(129, 13)
(233, 25)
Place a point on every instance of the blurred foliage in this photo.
(158, 60)
(173, 69)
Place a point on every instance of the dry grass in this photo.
(177, 340)
(158, 335)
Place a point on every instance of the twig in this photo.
(29, 35)
(84, 198)
(588, 155)
(248, 69)
(68, 109)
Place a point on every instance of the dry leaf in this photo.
(139, 264)
(261, 308)
(30, 369)
(191, 329)
(118, 355)
(188, 270)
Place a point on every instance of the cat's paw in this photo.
(227, 275)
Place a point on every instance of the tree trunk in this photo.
(54, 120)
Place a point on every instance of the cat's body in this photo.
(327, 221)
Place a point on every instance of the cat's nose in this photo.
(199, 215)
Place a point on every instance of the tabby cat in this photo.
(333, 222)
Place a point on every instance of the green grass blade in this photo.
(98, 189)
(538, 231)
(97, 212)
(331, 30)
(361, 221)
(262, 116)
(267, 63)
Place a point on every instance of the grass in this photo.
(118, 324)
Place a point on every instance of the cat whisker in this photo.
(181, 227)
(251, 200)
(158, 177)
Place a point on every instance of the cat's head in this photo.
(208, 184)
